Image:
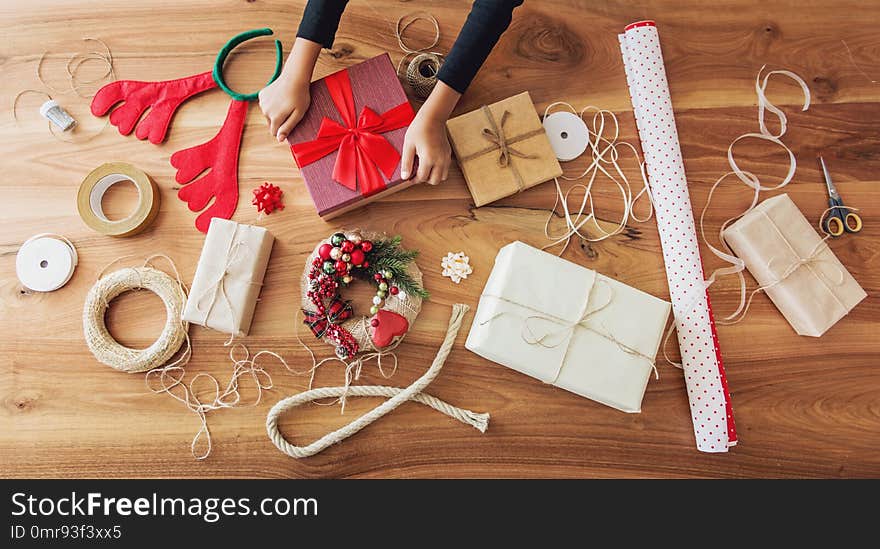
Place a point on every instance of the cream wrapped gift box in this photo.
(569, 326)
(797, 270)
(229, 276)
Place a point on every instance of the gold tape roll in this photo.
(97, 183)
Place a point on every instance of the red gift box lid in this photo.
(374, 84)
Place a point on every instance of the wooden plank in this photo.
(804, 407)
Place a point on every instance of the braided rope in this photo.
(397, 396)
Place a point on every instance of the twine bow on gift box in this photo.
(532, 334)
(808, 261)
(499, 140)
(217, 288)
(364, 155)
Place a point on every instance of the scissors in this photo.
(840, 218)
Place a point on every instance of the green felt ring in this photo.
(224, 53)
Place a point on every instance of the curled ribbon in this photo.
(364, 156)
(737, 266)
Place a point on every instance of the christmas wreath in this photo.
(348, 256)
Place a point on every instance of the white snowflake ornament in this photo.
(456, 266)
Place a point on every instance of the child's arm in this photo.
(285, 101)
(426, 136)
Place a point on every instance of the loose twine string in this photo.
(396, 397)
(604, 156)
(74, 63)
(163, 376)
(423, 65)
(737, 265)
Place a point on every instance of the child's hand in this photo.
(284, 102)
(426, 139)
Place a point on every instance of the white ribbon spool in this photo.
(45, 262)
(567, 133)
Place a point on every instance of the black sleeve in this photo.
(484, 26)
(320, 20)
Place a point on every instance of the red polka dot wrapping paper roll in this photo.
(701, 358)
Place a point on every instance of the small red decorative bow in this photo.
(320, 322)
(326, 322)
(364, 155)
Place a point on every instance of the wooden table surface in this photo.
(804, 407)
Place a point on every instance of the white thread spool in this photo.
(45, 262)
(55, 113)
(567, 133)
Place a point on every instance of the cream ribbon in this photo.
(604, 159)
(566, 329)
(737, 266)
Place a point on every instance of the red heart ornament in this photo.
(389, 326)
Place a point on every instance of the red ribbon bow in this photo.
(364, 155)
(320, 322)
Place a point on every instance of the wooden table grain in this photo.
(804, 407)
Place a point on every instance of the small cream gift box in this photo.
(794, 266)
(568, 326)
(229, 276)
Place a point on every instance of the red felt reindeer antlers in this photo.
(219, 155)
(162, 98)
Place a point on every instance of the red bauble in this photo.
(347, 247)
(366, 246)
(341, 266)
(324, 250)
(394, 290)
(377, 277)
(357, 257)
(366, 264)
(374, 322)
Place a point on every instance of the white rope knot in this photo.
(396, 397)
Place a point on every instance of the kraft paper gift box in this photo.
(348, 144)
(229, 276)
(794, 266)
(502, 149)
(569, 326)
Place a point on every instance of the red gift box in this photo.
(348, 144)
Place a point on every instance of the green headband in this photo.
(224, 53)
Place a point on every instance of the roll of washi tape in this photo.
(96, 184)
(567, 133)
(45, 262)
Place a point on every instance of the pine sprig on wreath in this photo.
(387, 255)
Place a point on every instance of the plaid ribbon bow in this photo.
(336, 312)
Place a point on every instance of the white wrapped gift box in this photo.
(229, 277)
(569, 326)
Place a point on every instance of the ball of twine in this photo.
(110, 352)
(422, 70)
(421, 73)
(403, 304)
